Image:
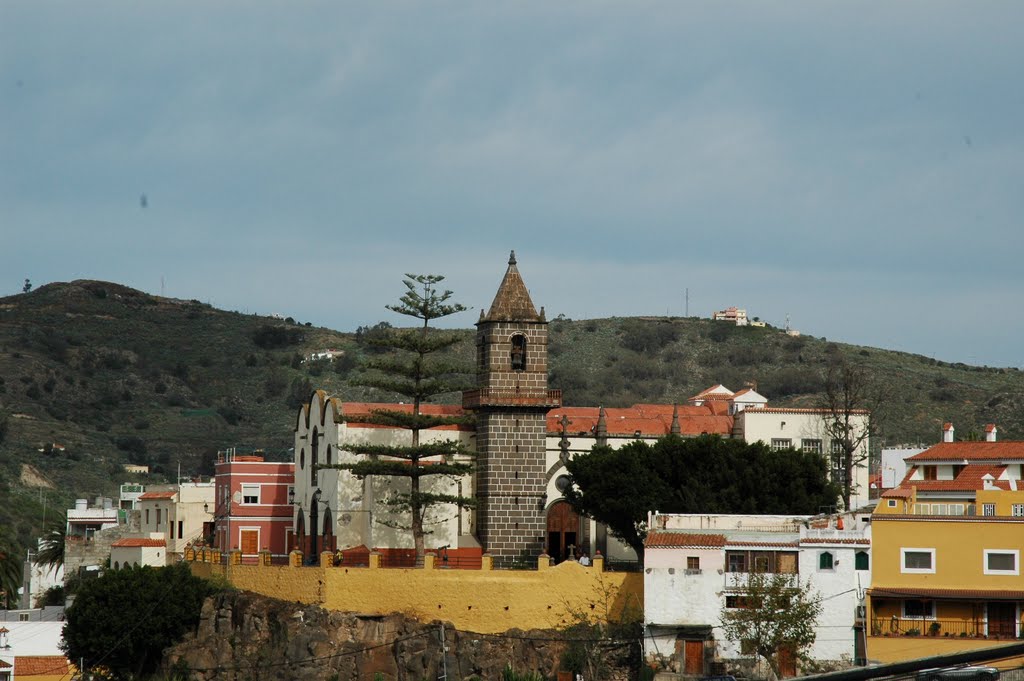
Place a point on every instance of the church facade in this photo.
(521, 434)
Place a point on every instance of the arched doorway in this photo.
(563, 530)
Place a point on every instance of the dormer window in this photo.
(518, 354)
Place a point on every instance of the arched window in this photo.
(117, 565)
(329, 462)
(302, 459)
(314, 456)
(518, 354)
(861, 561)
(826, 561)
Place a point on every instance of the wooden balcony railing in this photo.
(505, 397)
(941, 628)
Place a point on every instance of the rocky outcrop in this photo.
(246, 636)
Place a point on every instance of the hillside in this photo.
(113, 375)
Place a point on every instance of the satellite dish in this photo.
(237, 497)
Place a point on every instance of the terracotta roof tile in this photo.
(968, 480)
(158, 495)
(135, 542)
(896, 493)
(762, 544)
(512, 301)
(1008, 450)
(652, 420)
(41, 665)
(796, 410)
(668, 539)
(952, 594)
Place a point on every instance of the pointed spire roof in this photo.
(512, 302)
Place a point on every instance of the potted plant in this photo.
(933, 629)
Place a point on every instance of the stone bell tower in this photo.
(511, 403)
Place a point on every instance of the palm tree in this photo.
(10, 577)
(51, 545)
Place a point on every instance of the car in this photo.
(965, 673)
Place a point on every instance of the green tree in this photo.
(10, 574)
(778, 617)
(51, 548)
(417, 368)
(162, 604)
(707, 474)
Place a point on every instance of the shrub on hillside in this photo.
(270, 337)
(647, 336)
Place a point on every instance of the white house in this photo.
(176, 514)
(696, 567)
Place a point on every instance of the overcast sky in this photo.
(858, 166)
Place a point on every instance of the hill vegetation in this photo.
(94, 375)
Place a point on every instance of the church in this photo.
(521, 435)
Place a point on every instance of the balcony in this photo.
(504, 397)
(738, 581)
(954, 629)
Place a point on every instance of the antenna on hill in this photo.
(161, 286)
(787, 321)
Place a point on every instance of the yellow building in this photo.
(947, 544)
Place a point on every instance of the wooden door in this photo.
(787, 662)
(563, 528)
(693, 658)
(250, 542)
(787, 563)
(1002, 619)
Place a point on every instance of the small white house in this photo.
(696, 567)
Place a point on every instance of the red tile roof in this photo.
(763, 544)
(968, 480)
(652, 420)
(41, 665)
(896, 493)
(1008, 450)
(4, 665)
(134, 542)
(667, 539)
(953, 594)
(158, 495)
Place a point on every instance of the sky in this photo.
(857, 167)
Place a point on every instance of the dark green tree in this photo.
(10, 574)
(707, 474)
(416, 367)
(163, 603)
(51, 548)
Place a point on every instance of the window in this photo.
(693, 562)
(1001, 561)
(826, 561)
(811, 446)
(737, 562)
(158, 512)
(892, 503)
(988, 509)
(930, 472)
(147, 516)
(837, 448)
(302, 459)
(861, 561)
(919, 609)
(737, 602)
(181, 529)
(23, 617)
(250, 493)
(920, 561)
(518, 354)
(1017, 510)
(781, 443)
(329, 461)
(762, 562)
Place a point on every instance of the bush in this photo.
(648, 336)
(131, 444)
(271, 337)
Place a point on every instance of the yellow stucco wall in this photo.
(483, 601)
(901, 648)
(959, 551)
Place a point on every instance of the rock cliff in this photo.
(246, 636)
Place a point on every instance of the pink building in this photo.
(252, 510)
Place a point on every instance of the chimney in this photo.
(990, 432)
(947, 432)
